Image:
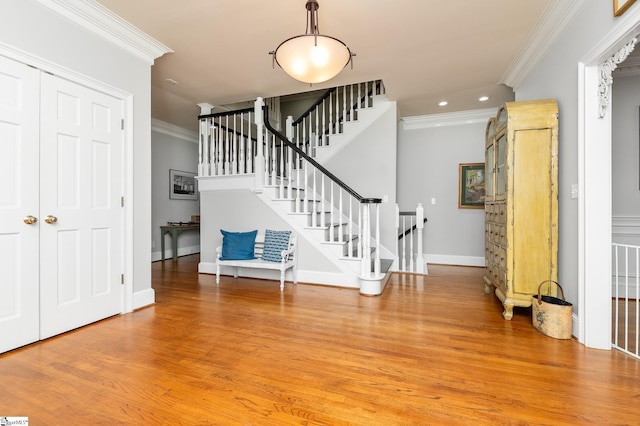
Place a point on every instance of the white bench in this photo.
(289, 261)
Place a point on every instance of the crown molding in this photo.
(173, 130)
(554, 20)
(448, 119)
(98, 19)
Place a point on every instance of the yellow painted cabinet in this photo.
(521, 205)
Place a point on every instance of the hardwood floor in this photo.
(430, 350)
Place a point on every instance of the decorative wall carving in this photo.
(606, 79)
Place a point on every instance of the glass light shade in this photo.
(312, 58)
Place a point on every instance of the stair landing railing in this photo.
(327, 116)
(410, 226)
(227, 143)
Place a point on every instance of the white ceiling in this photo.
(424, 50)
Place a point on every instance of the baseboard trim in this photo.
(446, 259)
(182, 251)
(144, 298)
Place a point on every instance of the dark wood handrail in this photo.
(314, 163)
(222, 114)
(226, 113)
(315, 104)
(413, 228)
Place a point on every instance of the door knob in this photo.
(30, 220)
(50, 219)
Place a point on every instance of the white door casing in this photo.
(81, 185)
(19, 167)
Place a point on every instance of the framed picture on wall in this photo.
(182, 185)
(620, 6)
(471, 186)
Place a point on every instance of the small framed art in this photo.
(471, 186)
(182, 185)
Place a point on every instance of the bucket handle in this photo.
(540, 290)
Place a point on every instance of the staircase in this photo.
(241, 150)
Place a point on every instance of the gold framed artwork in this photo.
(471, 186)
(620, 6)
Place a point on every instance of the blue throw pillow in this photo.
(238, 245)
(274, 243)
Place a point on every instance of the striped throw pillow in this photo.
(274, 243)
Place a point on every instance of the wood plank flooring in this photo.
(431, 350)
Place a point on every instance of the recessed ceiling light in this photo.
(171, 81)
(443, 103)
(483, 98)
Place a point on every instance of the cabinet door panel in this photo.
(532, 205)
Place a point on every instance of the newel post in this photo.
(204, 159)
(259, 164)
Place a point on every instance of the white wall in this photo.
(172, 148)
(429, 153)
(28, 27)
(368, 166)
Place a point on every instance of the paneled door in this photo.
(19, 208)
(81, 226)
(61, 215)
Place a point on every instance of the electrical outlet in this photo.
(433, 201)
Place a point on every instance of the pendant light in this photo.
(312, 57)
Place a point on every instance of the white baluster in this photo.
(350, 240)
(411, 254)
(274, 157)
(365, 263)
(340, 216)
(376, 263)
(344, 104)
(314, 209)
(421, 264)
(360, 232)
(290, 157)
(219, 148)
(351, 105)
(283, 163)
(259, 157)
(306, 186)
(332, 126)
(323, 221)
(249, 155)
(324, 123)
(398, 232)
(404, 244)
(227, 146)
(332, 221)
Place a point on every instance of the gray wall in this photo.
(172, 150)
(625, 147)
(556, 76)
(428, 164)
(27, 26)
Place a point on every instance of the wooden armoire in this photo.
(521, 201)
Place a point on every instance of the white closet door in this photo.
(81, 184)
(19, 310)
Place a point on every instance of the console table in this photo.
(174, 231)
